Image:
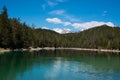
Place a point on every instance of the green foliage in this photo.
(14, 34)
(99, 37)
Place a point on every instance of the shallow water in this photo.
(59, 65)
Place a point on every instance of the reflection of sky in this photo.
(55, 70)
(63, 69)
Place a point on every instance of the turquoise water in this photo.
(59, 65)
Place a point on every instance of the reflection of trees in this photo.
(99, 61)
(14, 63)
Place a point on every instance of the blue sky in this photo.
(69, 15)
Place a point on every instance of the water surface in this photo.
(59, 65)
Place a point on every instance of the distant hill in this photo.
(97, 37)
(14, 34)
(48, 38)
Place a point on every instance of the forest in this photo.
(16, 35)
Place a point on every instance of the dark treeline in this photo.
(14, 34)
(101, 37)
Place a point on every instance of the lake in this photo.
(59, 65)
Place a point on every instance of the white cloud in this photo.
(54, 20)
(63, 14)
(58, 30)
(91, 24)
(57, 12)
(44, 27)
(51, 3)
(80, 26)
(62, 30)
(57, 21)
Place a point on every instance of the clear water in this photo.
(59, 65)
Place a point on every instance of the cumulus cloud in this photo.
(57, 21)
(91, 24)
(80, 26)
(54, 20)
(62, 30)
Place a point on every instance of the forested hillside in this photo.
(99, 37)
(14, 34)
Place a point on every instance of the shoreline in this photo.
(88, 49)
(60, 48)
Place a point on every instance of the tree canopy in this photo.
(14, 34)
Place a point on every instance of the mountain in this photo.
(14, 34)
(48, 38)
(99, 37)
(62, 30)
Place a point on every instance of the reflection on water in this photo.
(59, 65)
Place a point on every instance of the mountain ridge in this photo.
(14, 34)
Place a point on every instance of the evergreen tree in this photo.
(14, 34)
